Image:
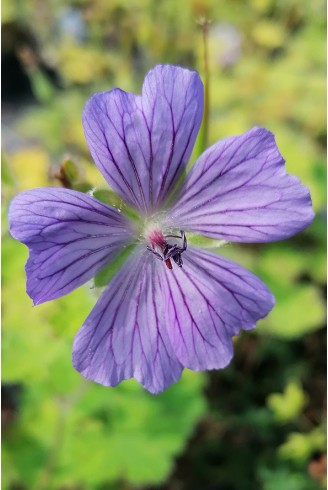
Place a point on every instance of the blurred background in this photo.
(260, 423)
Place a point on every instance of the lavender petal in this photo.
(209, 300)
(142, 144)
(238, 190)
(125, 334)
(70, 236)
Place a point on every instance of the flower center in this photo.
(156, 239)
(163, 250)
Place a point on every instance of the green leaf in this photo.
(290, 404)
(42, 87)
(137, 432)
(284, 478)
(205, 242)
(104, 276)
(70, 170)
(7, 177)
(299, 447)
(298, 312)
(109, 197)
(82, 186)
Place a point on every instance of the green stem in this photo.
(204, 23)
(59, 434)
(63, 406)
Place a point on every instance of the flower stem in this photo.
(64, 407)
(204, 24)
(55, 450)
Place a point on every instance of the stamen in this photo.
(156, 239)
(164, 250)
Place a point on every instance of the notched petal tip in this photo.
(208, 302)
(238, 190)
(142, 143)
(71, 236)
(150, 324)
(125, 334)
(103, 380)
(160, 73)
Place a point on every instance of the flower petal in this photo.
(238, 190)
(209, 300)
(70, 235)
(141, 144)
(124, 336)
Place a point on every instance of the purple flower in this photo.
(171, 306)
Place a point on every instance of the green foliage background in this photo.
(257, 424)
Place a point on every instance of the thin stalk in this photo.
(64, 407)
(204, 24)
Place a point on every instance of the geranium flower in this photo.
(171, 306)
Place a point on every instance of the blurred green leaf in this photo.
(299, 447)
(104, 276)
(7, 177)
(289, 404)
(76, 60)
(286, 479)
(30, 167)
(295, 314)
(269, 34)
(42, 87)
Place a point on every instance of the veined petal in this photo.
(70, 236)
(141, 144)
(125, 335)
(238, 190)
(209, 300)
